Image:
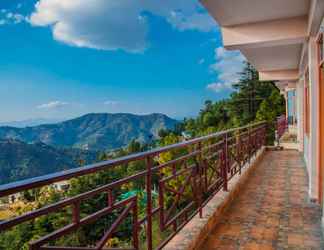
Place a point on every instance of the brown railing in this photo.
(281, 125)
(175, 190)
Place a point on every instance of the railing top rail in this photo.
(14, 187)
(282, 117)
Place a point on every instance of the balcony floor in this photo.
(273, 211)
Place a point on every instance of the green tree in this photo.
(248, 96)
(269, 110)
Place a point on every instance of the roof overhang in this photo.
(285, 86)
(279, 75)
(271, 34)
(232, 12)
(266, 34)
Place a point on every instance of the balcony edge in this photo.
(193, 235)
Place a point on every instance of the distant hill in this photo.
(20, 160)
(29, 122)
(93, 131)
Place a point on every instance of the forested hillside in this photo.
(19, 160)
(94, 131)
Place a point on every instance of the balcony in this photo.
(273, 211)
(226, 186)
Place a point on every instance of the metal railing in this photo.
(281, 125)
(175, 190)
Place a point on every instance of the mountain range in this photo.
(101, 131)
(29, 122)
(39, 150)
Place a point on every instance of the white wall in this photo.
(306, 152)
(314, 104)
(300, 114)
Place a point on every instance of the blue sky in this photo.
(64, 58)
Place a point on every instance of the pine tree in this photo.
(248, 96)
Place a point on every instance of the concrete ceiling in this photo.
(274, 58)
(270, 33)
(286, 85)
(234, 12)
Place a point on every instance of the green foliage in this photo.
(250, 93)
(269, 110)
(90, 234)
(252, 100)
(174, 183)
(17, 238)
(169, 155)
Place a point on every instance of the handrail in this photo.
(14, 187)
(206, 167)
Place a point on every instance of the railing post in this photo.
(225, 162)
(149, 165)
(265, 130)
(204, 171)
(264, 133)
(239, 150)
(249, 143)
(76, 212)
(135, 225)
(200, 175)
(201, 168)
(260, 138)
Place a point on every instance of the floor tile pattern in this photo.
(273, 211)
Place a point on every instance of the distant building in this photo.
(186, 135)
(61, 185)
(14, 198)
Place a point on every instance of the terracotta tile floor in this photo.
(273, 211)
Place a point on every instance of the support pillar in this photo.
(314, 119)
(300, 114)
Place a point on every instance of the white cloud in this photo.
(98, 24)
(11, 17)
(196, 21)
(18, 18)
(228, 65)
(111, 103)
(218, 86)
(52, 105)
(111, 24)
